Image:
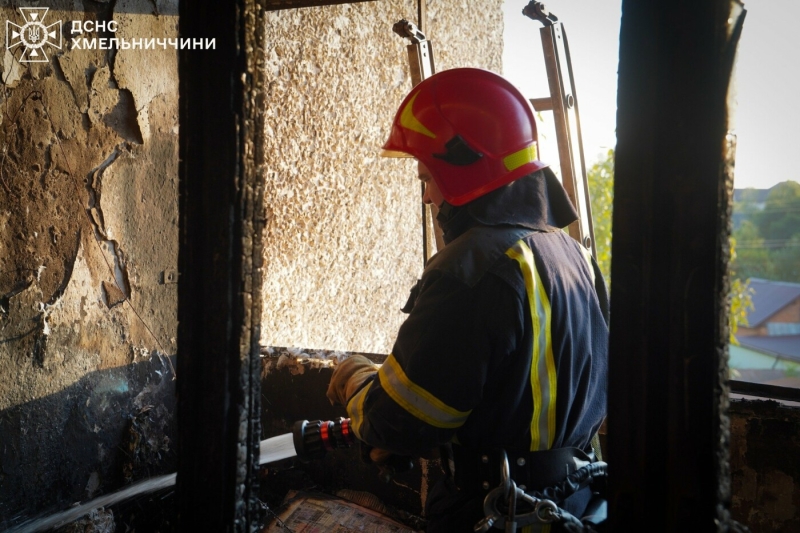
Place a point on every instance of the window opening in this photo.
(765, 317)
(765, 302)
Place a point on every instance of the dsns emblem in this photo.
(33, 35)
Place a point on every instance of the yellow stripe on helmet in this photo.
(521, 157)
(409, 121)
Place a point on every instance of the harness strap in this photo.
(479, 470)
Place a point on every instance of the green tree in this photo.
(780, 219)
(749, 196)
(601, 191)
(785, 261)
(768, 235)
(751, 257)
(740, 299)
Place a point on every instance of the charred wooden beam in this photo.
(219, 302)
(667, 422)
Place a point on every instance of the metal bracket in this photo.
(408, 30)
(421, 66)
(563, 102)
(169, 276)
(538, 11)
(420, 53)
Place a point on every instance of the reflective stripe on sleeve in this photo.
(543, 368)
(355, 410)
(587, 254)
(416, 400)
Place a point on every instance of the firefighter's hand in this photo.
(347, 378)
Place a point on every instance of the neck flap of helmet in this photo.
(537, 201)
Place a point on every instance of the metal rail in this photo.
(762, 390)
(421, 66)
(563, 102)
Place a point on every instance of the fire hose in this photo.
(308, 441)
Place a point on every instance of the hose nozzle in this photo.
(312, 440)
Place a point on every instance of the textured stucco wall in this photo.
(466, 33)
(344, 240)
(88, 211)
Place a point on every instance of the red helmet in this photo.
(473, 130)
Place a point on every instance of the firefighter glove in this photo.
(348, 377)
(388, 463)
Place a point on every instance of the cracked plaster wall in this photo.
(88, 227)
(343, 236)
(88, 178)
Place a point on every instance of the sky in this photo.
(766, 120)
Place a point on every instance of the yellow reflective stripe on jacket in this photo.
(416, 400)
(355, 410)
(543, 368)
(587, 254)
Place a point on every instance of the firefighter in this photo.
(504, 349)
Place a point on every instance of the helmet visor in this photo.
(394, 153)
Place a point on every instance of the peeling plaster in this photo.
(113, 107)
(11, 70)
(115, 255)
(112, 296)
(88, 205)
(146, 76)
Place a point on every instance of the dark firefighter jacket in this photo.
(506, 339)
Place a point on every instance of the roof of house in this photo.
(787, 346)
(769, 297)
